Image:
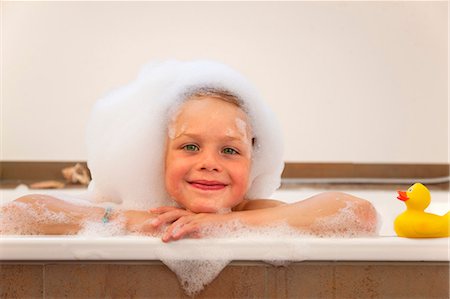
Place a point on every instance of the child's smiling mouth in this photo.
(207, 185)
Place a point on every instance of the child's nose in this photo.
(209, 162)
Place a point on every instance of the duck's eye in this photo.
(410, 190)
(229, 151)
(191, 147)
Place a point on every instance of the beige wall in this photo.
(350, 81)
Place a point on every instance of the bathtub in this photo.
(385, 247)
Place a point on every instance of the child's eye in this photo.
(190, 147)
(229, 151)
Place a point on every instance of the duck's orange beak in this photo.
(402, 196)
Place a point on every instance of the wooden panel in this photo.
(17, 170)
(21, 281)
(349, 170)
(151, 279)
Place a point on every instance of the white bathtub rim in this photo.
(149, 248)
(387, 247)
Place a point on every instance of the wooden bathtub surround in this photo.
(151, 279)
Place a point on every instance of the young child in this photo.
(213, 142)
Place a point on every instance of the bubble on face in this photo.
(172, 117)
(230, 132)
(242, 127)
(171, 131)
(174, 131)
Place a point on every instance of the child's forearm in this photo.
(46, 215)
(137, 221)
(325, 213)
(132, 221)
(274, 215)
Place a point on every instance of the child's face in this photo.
(208, 155)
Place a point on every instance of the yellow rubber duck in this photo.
(415, 222)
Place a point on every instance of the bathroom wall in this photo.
(363, 82)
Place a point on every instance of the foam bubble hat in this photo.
(127, 130)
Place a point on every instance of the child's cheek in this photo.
(173, 178)
(242, 179)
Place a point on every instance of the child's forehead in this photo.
(208, 106)
(208, 116)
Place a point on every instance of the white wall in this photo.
(350, 81)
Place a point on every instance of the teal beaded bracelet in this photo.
(107, 214)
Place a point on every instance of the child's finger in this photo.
(186, 227)
(150, 229)
(167, 236)
(190, 229)
(169, 217)
(174, 228)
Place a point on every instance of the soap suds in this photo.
(194, 275)
(20, 219)
(127, 131)
(242, 128)
(344, 224)
(95, 228)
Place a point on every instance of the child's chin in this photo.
(204, 208)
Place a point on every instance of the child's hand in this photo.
(183, 223)
(167, 215)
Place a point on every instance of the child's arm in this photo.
(324, 214)
(47, 215)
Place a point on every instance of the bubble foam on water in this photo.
(346, 224)
(20, 219)
(100, 229)
(194, 275)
